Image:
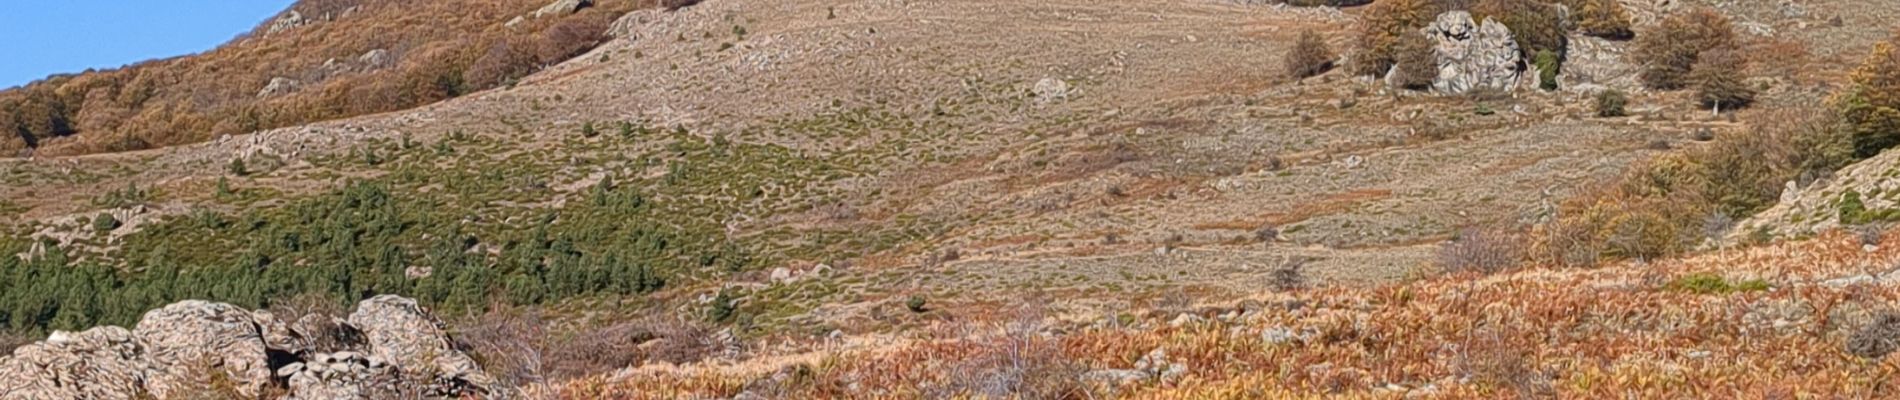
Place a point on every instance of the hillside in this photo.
(876, 199)
(318, 60)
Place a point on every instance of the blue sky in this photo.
(44, 37)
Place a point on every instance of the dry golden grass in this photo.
(1630, 331)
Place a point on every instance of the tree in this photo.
(1717, 76)
(1670, 52)
(1310, 56)
(1870, 108)
(1380, 31)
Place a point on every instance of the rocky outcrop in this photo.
(561, 7)
(290, 19)
(396, 329)
(389, 348)
(1473, 56)
(279, 86)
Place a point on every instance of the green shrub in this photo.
(722, 308)
(236, 167)
(1707, 283)
(105, 222)
(1547, 68)
(916, 304)
(1611, 103)
(588, 131)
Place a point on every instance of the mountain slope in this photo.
(319, 60)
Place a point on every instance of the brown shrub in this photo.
(1416, 62)
(1717, 76)
(572, 36)
(12, 340)
(504, 61)
(1601, 18)
(1385, 22)
(1021, 363)
(1484, 251)
(1669, 52)
(519, 347)
(1310, 56)
(1665, 205)
(1537, 26)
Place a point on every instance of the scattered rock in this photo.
(279, 86)
(374, 58)
(1156, 365)
(1278, 335)
(290, 19)
(1051, 90)
(1473, 56)
(1115, 377)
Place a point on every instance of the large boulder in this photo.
(1473, 56)
(399, 331)
(100, 363)
(190, 344)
